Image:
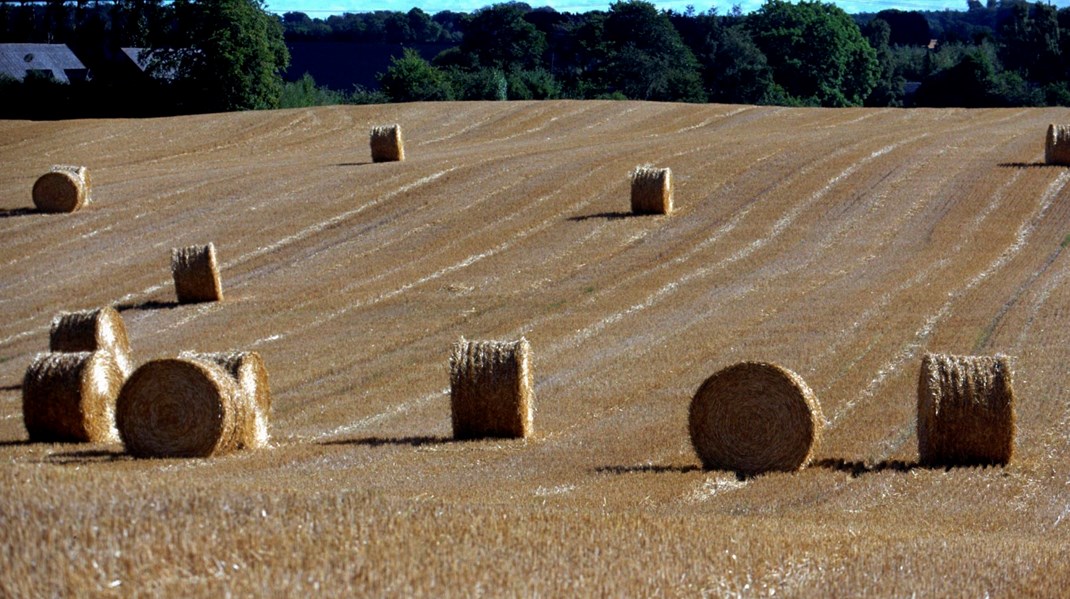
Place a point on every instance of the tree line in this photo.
(208, 55)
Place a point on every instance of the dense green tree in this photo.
(646, 59)
(229, 55)
(410, 78)
(816, 51)
(888, 90)
(499, 37)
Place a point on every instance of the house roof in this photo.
(16, 60)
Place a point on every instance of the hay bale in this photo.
(965, 410)
(62, 189)
(180, 408)
(196, 274)
(651, 190)
(71, 397)
(92, 330)
(491, 392)
(247, 369)
(1057, 145)
(386, 143)
(754, 417)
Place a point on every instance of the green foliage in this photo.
(536, 84)
(499, 37)
(304, 92)
(412, 79)
(229, 56)
(480, 84)
(816, 52)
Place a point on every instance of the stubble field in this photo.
(842, 244)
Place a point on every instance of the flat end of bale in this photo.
(247, 369)
(196, 274)
(387, 144)
(754, 417)
(966, 414)
(491, 390)
(1057, 145)
(62, 189)
(179, 408)
(652, 190)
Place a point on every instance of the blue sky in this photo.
(323, 8)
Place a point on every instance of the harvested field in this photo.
(844, 251)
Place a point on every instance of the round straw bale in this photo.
(1057, 145)
(965, 410)
(754, 417)
(491, 391)
(651, 190)
(386, 143)
(196, 274)
(71, 397)
(247, 369)
(62, 189)
(179, 408)
(92, 330)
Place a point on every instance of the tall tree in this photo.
(229, 56)
(500, 38)
(816, 51)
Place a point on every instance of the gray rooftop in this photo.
(16, 60)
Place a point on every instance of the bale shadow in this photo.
(17, 443)
(857, 468)
(15, 387)
(147, 305)
(646, 468)
(418, 441)
(354, 163)
(1029, 165)
(87, 456)
(10, 212)
(604, 215)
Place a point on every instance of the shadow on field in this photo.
(16, 443)
(646, 468)
(87, 456)
(354, 163)
(1029, 165)
(858, 468)
(604, 215)
(11, 387)
(380, 441)
(149, 305)
(9, 212)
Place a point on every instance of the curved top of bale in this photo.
(753, 417)
(90, 330)
(179, 408)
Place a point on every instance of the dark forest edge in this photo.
(222, 55)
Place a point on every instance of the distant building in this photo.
(19, 60)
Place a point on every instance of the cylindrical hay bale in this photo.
(387, 145)
(247, 369)
(965, 410)
(651, 190)
(62, 189)
(196, 274)
(92, 330)
(754, 417)
(491, 391)
(71, 397)
(1057, 145)
(180, 408)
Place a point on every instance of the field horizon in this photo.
(842, 244)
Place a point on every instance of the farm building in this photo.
(20, 60)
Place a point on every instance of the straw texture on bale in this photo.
(92, 330)
(196, 274)
(180, 408)
(1057, 145)
(62, 189)
(71, 397)
(491, 392)
(754, 417)
(247, 369)
(651, 190)
(965, 410)
(387, 145)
